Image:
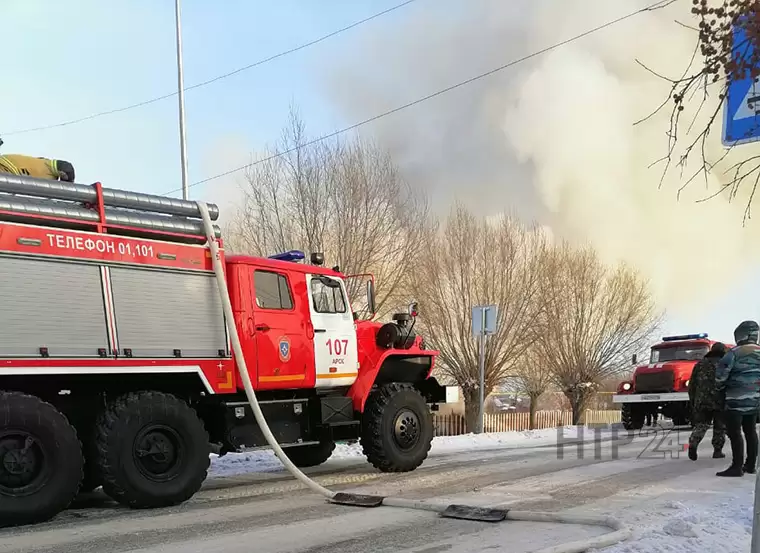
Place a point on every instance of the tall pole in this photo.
(181, 93)
(755, 544)
(482, 371)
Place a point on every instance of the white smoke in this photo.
(553, 139)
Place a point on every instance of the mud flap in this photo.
(357, 500)
(481, 514)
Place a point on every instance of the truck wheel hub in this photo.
(157, 451)
(407, 429)
(21, 460)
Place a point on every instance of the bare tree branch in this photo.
(344, 199)
(705, 80)
(593, 318)
(473, 261)
(533, 378)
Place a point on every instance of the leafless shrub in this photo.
(474, 261)
(593, 318)
(533, 378)
(345, 199)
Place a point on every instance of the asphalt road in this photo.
(273, 513)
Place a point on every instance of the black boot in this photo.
(692, 453)
(733, 470)
(748, 469)
(718, 454)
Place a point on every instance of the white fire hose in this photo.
(619, 533)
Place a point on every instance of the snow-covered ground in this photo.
(264, 460)
(695, 513)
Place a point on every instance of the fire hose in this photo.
(619, 531)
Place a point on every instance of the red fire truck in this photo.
(116, 367)
(662, 385)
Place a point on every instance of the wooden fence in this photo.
(453, 425)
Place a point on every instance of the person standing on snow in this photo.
(703, 397)
(737, 381)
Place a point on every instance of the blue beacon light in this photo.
(292, 255)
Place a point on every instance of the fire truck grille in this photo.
(654, 382)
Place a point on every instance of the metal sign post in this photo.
(741, 125)
(755, 545)
(483, 323)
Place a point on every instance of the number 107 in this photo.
(337, 346)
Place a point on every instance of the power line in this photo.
(651, 7)
(217, 78)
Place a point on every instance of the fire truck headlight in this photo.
(687, 383)
(627, 386)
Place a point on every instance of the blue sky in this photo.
(70, 59)
(66, 60)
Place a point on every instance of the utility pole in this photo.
(181, 93)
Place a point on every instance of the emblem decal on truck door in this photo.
(284, 349)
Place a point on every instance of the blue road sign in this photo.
(741, 122)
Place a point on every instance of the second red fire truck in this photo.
(662, 385)
(115, 363)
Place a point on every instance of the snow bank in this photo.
(712, 521)
(234, 464)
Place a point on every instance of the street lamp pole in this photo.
(181, 93)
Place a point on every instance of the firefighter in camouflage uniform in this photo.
(705, 403)
(738, 380)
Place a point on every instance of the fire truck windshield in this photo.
(678, 353)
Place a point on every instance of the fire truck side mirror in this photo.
(634, 359)
(371, 297)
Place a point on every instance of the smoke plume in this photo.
(553, 139)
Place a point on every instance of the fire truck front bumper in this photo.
(651, 398)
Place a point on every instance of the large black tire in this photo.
(310, 455)
(632, 418)
(397, 428)
(153, 450)
(40, 460)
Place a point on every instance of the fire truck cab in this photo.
(662, 385)
(116, 366)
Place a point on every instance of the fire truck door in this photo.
(335, 348)
(283, 354)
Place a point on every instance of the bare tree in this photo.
(344, 199)
(474, 261)
(593, 318)
(716, 61)
(533, 378)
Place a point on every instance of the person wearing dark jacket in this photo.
(738, 381)
(705, 405)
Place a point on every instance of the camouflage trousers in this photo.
(702, 421)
